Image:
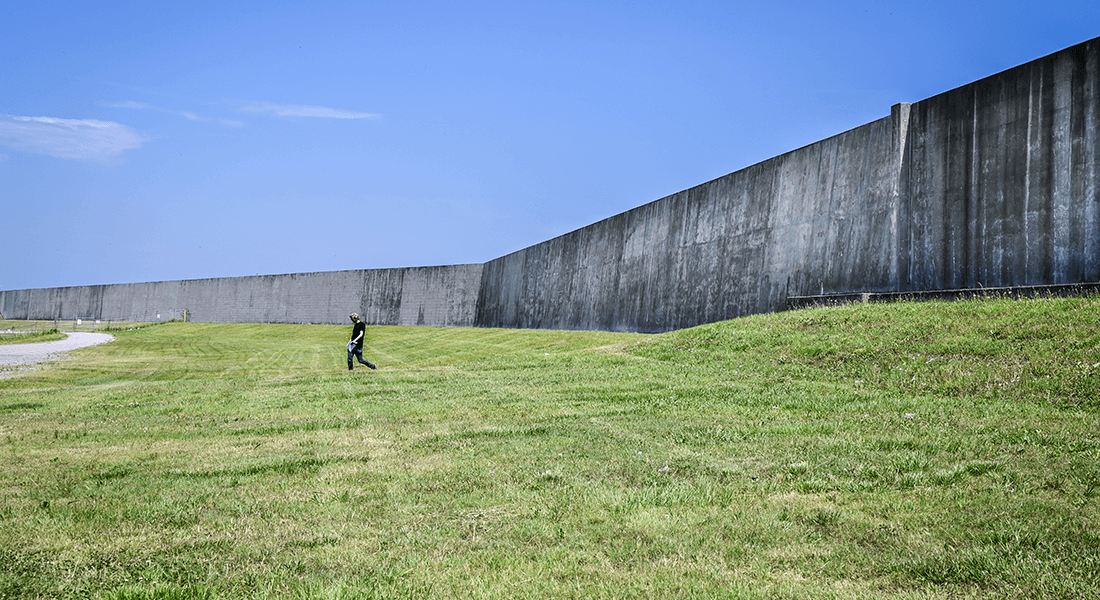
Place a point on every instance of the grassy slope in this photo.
(50, 335)
(869, 451)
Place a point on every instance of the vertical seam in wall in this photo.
(907, 162)
(971, 205)
(646, 292)
(829, 220)
(770, 236)
(1027, 178)
(1092, 102)
(901, 195)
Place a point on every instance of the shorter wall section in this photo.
(427, 296)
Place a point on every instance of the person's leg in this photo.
(350, 365)
(362, 361)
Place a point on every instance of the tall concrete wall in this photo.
(431, 296)
(993, 184)
(1002, 178)
(821, 217)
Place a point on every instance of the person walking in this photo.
(355, 346)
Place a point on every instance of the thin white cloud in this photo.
(297, 110)
(190, 116)
(128, 104)
(72, 139)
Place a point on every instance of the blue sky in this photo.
(148, 141)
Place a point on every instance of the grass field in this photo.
(33, 332)
(925, 450)
(33, 337)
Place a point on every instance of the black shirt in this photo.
(360, 327)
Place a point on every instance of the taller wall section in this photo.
(1002, 183)
(993, 184)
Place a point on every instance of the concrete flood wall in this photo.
(429, 296)
(993, 184)
(1002, 178)
(821, 217)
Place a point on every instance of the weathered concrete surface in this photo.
(431, 296)
(821, 217)
(1002, 185)
(994, 184)
(1013, 293)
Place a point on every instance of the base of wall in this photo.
(1030, 291)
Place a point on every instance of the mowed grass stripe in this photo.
(868, 451)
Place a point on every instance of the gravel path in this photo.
(22, 356)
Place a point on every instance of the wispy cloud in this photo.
(72, 139)
(128, 104)
(190, 116)
(298, 110)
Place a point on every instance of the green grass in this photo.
(40, 331)
(31, 337)
(923, 450)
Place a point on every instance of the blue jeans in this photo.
(357, 353)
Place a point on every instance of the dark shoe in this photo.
(371, 365)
